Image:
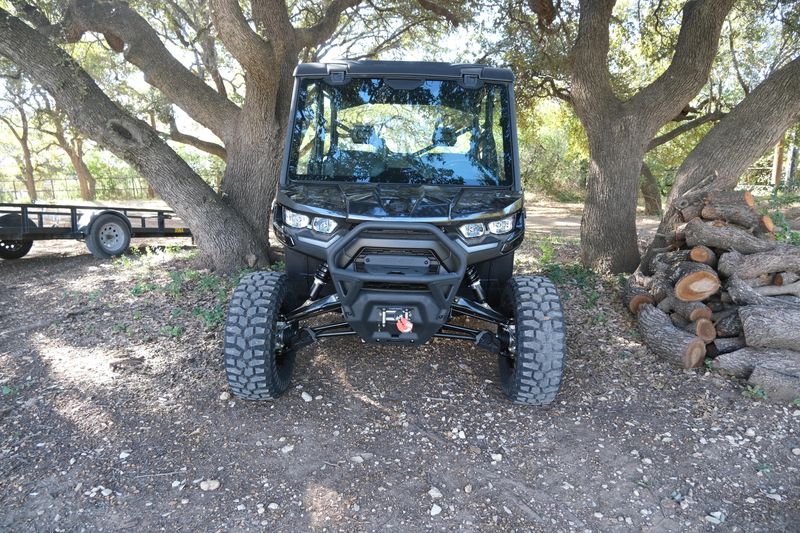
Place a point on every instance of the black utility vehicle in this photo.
(399, 208)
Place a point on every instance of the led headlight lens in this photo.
(472, 230)
(323, 225)
(295, 220)
(499, 227)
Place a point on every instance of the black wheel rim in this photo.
(11, 246)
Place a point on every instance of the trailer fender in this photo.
(88, 218)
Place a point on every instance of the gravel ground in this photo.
(114, 415)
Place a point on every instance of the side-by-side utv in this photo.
(399, 208)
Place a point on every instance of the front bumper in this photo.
(413, 288)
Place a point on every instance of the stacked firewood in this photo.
(724, 289)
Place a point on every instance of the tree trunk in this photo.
(255, 150)
(608, 227)
(669, 342)
(768, 327)
(651, 192)
(620, 132)
(27, 174)
(223, 235)
(740, 363)
(725, 153)
(86, 180)
(777, 164)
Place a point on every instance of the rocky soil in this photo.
(114, 415)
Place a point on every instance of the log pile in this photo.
(725, 290)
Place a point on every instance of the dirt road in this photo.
(111, 418)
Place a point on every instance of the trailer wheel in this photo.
(108, 236)
(531, 372)
(257, 364)
(14, 249)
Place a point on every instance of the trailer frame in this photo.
(33, 225)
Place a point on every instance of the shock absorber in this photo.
(474, 280)
(321, 277)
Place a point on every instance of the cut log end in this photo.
(637, 301)
(694, 353)
(697, 286)
(768, 224)
(703, 254)
(705, 329)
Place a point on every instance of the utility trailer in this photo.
(107, 231)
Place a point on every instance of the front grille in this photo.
(428, 261)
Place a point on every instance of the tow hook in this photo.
(401, 318)
(404, 325)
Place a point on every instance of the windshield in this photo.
(402, 131)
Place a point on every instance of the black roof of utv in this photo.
(403, 69)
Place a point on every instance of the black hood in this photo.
(422, 203)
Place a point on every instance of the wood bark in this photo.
(729, 344)
(793, 289)
(660, 287)
(743, 294)
(694, 281)
(678, 321)
(770, 327)
(735, 142)
(636, 292)
(723, 198)
(651, 192)
(725, 237)
(691, 311)
(741, 215)
(780, 259)
(729, 326)
(740, 363)
(669, 342)
(785, 278)
(760, 281)
(780, 380)
(703, 254)
(666, 261)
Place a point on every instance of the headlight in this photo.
(323, 225)
(295, 220)
(498, 227)
(473, 230)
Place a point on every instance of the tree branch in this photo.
(250, 50)
(695, 50)
(324, 28)
(30, 13)
(441, 11)
(123, 27)
(736, 69)
(683, 128)
(591, 86)
(206, 146)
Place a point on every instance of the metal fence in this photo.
(65, 188)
